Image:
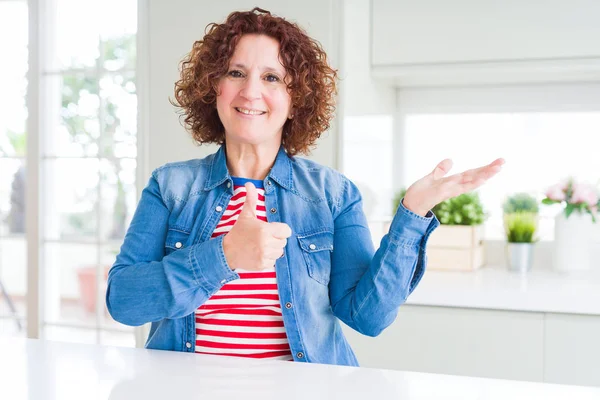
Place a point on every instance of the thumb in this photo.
(441, 169)
(249, 207)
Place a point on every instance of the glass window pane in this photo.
(73, 40)
(119, 52)
(13, 248)
(540, 149)
(70, 283)
(13, 245)
(12, 197)
(117, 24)
(13, 285)
(13, 41)
(118, 197)
(79, 29)
(71, 113)
(119, 115)
(69, 199)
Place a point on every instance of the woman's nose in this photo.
(251, 89)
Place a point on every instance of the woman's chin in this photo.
(253, 138)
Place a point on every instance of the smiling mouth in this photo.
(247, 111)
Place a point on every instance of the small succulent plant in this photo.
(465, 209)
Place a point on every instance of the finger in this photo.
(249, 207)
(268, 263)
(493, 167)
(273, 254)
(470, 186)
(280, 230)
(485, 172)
(498, 162)
(442, 169)
(277, 244)
(480, 173)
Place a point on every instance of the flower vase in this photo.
(572, 242)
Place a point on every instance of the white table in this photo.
(35, 370)
(496, 288)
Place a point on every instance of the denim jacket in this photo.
(330, 271)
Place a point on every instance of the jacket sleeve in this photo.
(144, 285)
(367, 287)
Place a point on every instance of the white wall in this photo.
(172, 28)
(437, 42)
(438, 31)
(360, 94)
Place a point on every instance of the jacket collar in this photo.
(281, 172)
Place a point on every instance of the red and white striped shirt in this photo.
(243, 318)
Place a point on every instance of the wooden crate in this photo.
(456, 248)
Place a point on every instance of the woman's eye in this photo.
(272, 78)
(235, 74)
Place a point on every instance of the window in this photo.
(86, 91)
(88, 162)
(13, 282)
(543, 139)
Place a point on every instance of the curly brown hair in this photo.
(310, 80)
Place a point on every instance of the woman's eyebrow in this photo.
(263, 69)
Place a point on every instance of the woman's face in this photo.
(253, 102)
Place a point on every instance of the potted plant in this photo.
(457, 244)
(521, 202)
(574, 225)
(520, 225)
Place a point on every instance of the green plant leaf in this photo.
(569, 210)
(465, 209)
(549, 202)
(520, 202)
(521, 227)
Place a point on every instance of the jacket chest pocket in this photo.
(316, 249)
(176, 240)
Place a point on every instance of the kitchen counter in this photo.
(36, 370)
(494, 287)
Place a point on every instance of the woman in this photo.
(251, 251)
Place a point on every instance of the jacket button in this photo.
(188, 345)
(300, 354)
(273, 210)
(219, 209)
(228, 184)
(288, 305)
(312, 246)
(178, 245)
(268, 183)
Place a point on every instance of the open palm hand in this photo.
(436, 187)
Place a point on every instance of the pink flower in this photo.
(564, 184)
(557, 192)
(585, 194)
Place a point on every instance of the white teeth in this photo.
(249, 112)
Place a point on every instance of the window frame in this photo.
(521, 98)
(36, 99)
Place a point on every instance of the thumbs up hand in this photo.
(253, 244)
